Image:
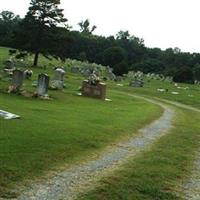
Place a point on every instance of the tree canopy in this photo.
(36, 32)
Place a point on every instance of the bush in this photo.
(184, 75)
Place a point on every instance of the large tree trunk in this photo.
(36, 59)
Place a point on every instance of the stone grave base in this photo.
(44, 97)
(13, 89)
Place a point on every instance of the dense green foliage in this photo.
(37, 32)
(8, 25)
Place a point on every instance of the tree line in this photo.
(44, 30)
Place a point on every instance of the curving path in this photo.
(190, 188)
(67, 184)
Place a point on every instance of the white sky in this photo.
(161, 23)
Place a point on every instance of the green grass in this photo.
(70, 129)
(157, 173)
(63, 131)
(190, 96)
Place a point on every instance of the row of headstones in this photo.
(150, 76)
(42, 82)
(86, 71)
(97, 89)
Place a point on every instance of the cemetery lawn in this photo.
(63, 131)
(157, 173)
(188, 94)
(69, 129)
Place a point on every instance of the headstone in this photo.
(59, 74)
(17, 81)
(7, 115)
(9, 64)
(136, 83)
(111, 76)
(75, 69)
(42, 85)
(86, 72)
(95, 91)
(58, 81)
(119, 78)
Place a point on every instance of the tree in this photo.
(184, 75)
(123, 35)
(8, 16)
(8, 24)
(149, 65)
(85, 27)
(197, 72)
(35, 33)
(121, 68)
(113, 56)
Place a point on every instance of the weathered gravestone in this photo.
(58, 81)
(17, 81)
(9, 64)
(86, 72)
(9, 67)
(111, 76)
(136, 83)
(96, 91)
(42, 85)
(7, 115)
(119, 78)
(75, 69)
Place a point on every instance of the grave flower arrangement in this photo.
(93, 79)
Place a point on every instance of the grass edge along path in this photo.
(157, 174)
(18, 171)
(66, 183)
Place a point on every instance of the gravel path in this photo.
(64, 185)
(179, 104)
(191, 187)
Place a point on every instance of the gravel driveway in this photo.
(65, 184)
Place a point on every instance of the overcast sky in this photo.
(161, 23)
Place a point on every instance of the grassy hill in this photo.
(62, 131)
(69, 129)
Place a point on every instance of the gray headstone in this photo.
(111, 76)
(136, 83)
(75, 69)
(42, 85)
(119, 78)
(58, 81)
(9, 64)
(59, 74)
(17, 79)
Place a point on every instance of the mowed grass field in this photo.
(69, 129)
(63, 131)
(158, 173)
(187, 93)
